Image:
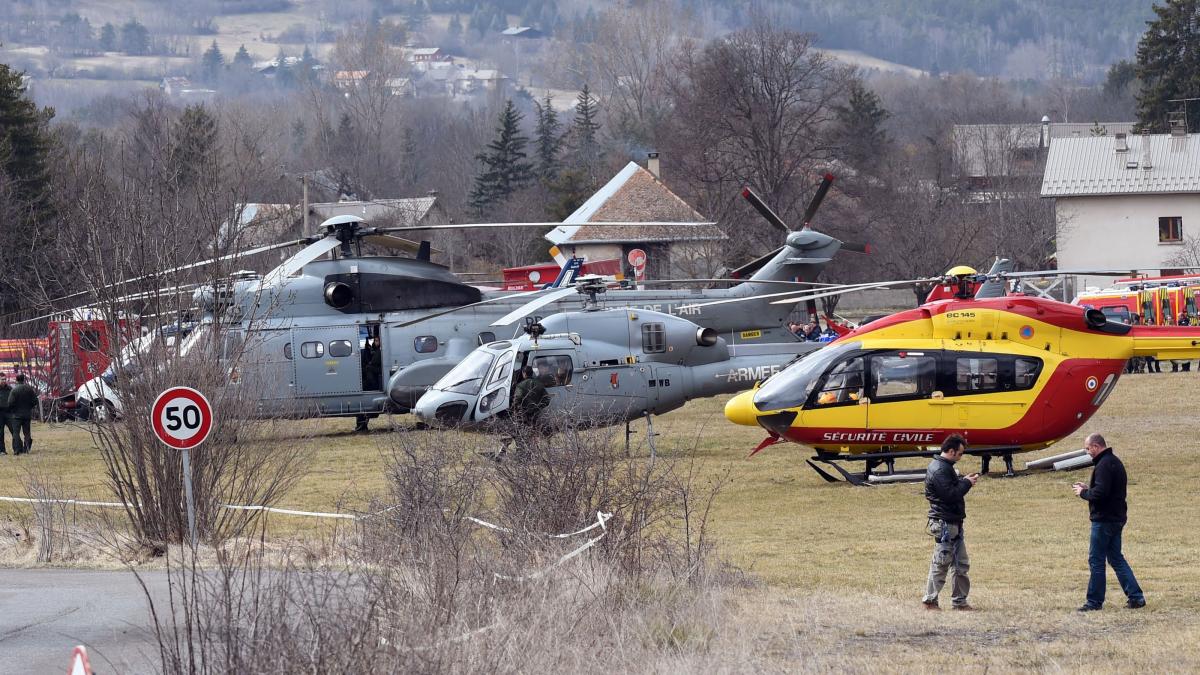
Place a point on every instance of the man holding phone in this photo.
(1105, 495)
(946, 493)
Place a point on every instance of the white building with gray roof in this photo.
(1125, 201)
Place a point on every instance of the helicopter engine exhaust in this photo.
(338, 295)
(1095, 318)
(706, 337)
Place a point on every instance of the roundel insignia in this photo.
(1026, 331)
(1091, 383)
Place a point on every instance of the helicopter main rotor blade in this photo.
(533, 306)
(790, 294)
(842, 291)
(181, 268)
(444, 312)
(1063, 273)
(395, 243)
(298, 261)
(775, 282)
(485, 226)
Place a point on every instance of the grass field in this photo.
(838, 571)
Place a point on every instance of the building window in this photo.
(1170, 230)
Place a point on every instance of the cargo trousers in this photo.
(949, 554)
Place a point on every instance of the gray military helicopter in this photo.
(355, 335)
(600, 366)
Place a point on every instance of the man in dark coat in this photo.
(5, 390)
(529, 397)
(21, 403)
(1105, 495)
(946, 493)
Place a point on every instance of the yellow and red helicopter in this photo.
(1010, 373)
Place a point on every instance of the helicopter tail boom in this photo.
(1166, 342)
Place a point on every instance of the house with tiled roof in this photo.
(1128, 202)
(677, 239)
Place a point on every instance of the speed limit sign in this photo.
(182, 417)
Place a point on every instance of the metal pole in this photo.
(187, 489)
(304, 180)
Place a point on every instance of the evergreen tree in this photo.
(211, 62)
(548, 137)
(285, 76)
(571, 189)
(455, 28)
(416, 16)
(478, 22)
(194, 145)
(504, 170)
(858, 134)
(1121, 75)
(1168, 64)
(108, 37)
(135, 39)
(242, 60)
(585, 133)
(499, 21)
(24, 149)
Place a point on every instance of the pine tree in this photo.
(242, 60)
(504, 170)
(135, 39)
(585, 133)
(24, 147)
(548, 137)
(108, 37)
(285, 76)
(1168, 64)
(416, 16)
(194, 144)
(455, 28)
(211, 62)
(858, 133)
(499, 21)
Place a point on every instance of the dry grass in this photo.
(843, 568)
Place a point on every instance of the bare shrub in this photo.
(55, 516)
(456, 569)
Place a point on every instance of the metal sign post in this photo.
(182, 419)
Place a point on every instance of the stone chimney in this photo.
(1146, 165)
(652, 165)
(1122, 144)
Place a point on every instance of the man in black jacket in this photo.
(1105, 495)
(22, 401)
(946, 493)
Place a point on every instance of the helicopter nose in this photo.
(435, 408)
(740, 410)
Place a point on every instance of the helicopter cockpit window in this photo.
(467, 376)
(340, 348)
(312, 350)
(287, 351)
(425, 344)
(503, 370)
(903, 375)
(485, 337)
(791, 387)
(654, 339)
(844, 384)
(1026, 373)
(554, 370)
(1117, 313)
(977, 374)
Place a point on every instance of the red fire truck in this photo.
(73, 353)
(1156, 301)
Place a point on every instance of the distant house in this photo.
(988, 155)
(400, 86)
(423, 58)
(349, 79)
(524, 32)
(182, 88)
(678, 242)
(474, 81)
(270, 68)
(1124, 202)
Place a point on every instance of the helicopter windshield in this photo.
(467, 377)
(791, 387)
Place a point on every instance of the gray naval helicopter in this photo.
(360, 336)
(600, 366)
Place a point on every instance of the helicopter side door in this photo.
(327, 361)
(900, 386)
(557, 371)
